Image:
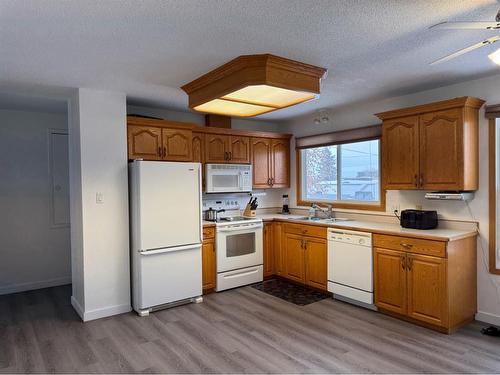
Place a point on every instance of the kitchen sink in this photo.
(319, 219)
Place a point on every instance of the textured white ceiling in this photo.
(149, 48)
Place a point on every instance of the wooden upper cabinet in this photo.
(432, 146)
(280, 163)
(144, 142)
(400, 153)
(198, 146)
(216, 148)
(271, 163)
(177, 144)
(239, 150)
(316, 262)
(441, 150)
(427, 291)
(261, 162)
(389, 267)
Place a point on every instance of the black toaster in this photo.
(419, 219)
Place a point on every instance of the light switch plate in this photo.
(99, 198)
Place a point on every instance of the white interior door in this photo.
(170, 204)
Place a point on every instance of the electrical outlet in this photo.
(395, 207)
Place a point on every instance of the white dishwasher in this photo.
(350, 266)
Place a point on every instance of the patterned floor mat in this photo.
(293, 293)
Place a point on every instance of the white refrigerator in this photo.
(166, 234)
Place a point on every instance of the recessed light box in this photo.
(251, 85)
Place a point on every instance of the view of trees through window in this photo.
(347, 172)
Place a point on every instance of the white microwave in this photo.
(228, 178)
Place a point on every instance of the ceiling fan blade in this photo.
(467, 49)
(467, 25)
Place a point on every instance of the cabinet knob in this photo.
(403, 261)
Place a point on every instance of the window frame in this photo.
(492, 177)
(378, 206)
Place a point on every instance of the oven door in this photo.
(239, 246)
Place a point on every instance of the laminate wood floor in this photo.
(238, 331)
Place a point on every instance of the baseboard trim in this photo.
(16, 288)
(78, 308)
(104, 312)
(488, 318)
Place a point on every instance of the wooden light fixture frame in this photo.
(249, 70)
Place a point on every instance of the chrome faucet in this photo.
(328, 211)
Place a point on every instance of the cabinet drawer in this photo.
(412, 245)
(306, 230)
(208, 232)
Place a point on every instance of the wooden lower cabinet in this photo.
(268, 250)
(304, 258)
(316, 262)
(427, 289)
(293, 251)
(390, 280)
(436, 291)
(278, 248)
(208, 257)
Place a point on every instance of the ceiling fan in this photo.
(495, 25)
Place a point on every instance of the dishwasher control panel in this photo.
(352, 237)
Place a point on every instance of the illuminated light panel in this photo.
(495, 56)
(229, 108)
(271, 96)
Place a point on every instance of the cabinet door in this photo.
(427, 297)
(389, 267)
(441, 150)
(294, 258)
(208, 264)
(280, 163)
(239, 150)
(400, 153)
(261, 163)
(316, 262)
(144, 142)
(278, 248)
(198, 147)
(216, 148)
(177, 144)
(268, 250)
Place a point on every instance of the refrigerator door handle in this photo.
(170, 249)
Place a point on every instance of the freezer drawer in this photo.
(164, 276)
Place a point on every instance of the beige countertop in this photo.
(439, 234)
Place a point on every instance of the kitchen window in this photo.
(343, 174)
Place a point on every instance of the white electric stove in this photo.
(239, 250)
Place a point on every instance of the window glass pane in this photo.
(319, 173)
(359, 170)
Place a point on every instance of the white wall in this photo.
(199, 119)
(35, 253)
(100, 232)
(361, 114)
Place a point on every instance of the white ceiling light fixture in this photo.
(470, 26)
(495, 56)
